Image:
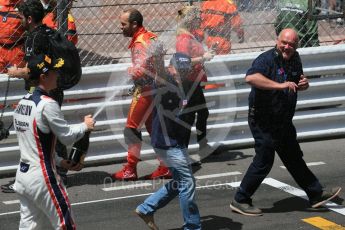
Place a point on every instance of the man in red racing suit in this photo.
(142, 73)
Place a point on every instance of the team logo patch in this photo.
(280, 71)
(24, 167)
(60, 63)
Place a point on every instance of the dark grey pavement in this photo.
(95, 208)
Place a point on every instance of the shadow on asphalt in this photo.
(223, 154)
(90, 178)
(212, 222)
(292, 204)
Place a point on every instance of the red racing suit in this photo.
(219, 18)
(11, 36)
(142, 73)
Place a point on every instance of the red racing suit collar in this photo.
(140, 30)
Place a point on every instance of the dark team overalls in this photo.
(270, 121)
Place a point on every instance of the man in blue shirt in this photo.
(170, 130)
(276, 76)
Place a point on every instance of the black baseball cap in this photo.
(181, 62)
(41, 64)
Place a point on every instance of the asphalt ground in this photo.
(100, 203)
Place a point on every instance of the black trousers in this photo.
(280, 138)
(197, 105)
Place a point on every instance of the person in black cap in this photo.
(169, 131)
(38, 121)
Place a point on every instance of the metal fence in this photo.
(101, 40)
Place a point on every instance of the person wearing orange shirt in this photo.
(142, 73)
(50, 21)
(11, 35)
(219, 18)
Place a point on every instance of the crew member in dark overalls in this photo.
(276, 76)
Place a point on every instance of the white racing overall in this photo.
(38, 121)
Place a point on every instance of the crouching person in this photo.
(170, 129)
(38, 123)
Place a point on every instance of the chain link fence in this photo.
(101, 40)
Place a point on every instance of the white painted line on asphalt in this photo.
(300, 193)
(11, 202)
(232, 184)
(136, 185)
(217, 175)
(111, 199)
(145, 184)
(9, 213)
(310, 164)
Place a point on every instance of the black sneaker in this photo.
(8, 188)
(5, 186)
(245, 209)
(324, 197)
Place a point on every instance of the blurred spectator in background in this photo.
(332, 4)
(51, 21)
(294, 14)
(186, 43)
(219, 18)
(11, 35)
(335, 7)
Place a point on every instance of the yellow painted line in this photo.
(323, 224)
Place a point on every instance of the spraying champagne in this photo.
(79, 149)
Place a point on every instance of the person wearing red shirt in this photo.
(142, 73)
(188, 44)
(11, 36)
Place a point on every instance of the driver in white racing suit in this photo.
(38, 121)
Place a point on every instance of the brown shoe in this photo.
(148, 219)
(326, 195)
(247, 209)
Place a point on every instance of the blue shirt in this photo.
(169, 126)
(276, 105)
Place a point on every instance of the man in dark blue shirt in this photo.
(275, 77)
(170, 130)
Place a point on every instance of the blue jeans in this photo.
(182, 184)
